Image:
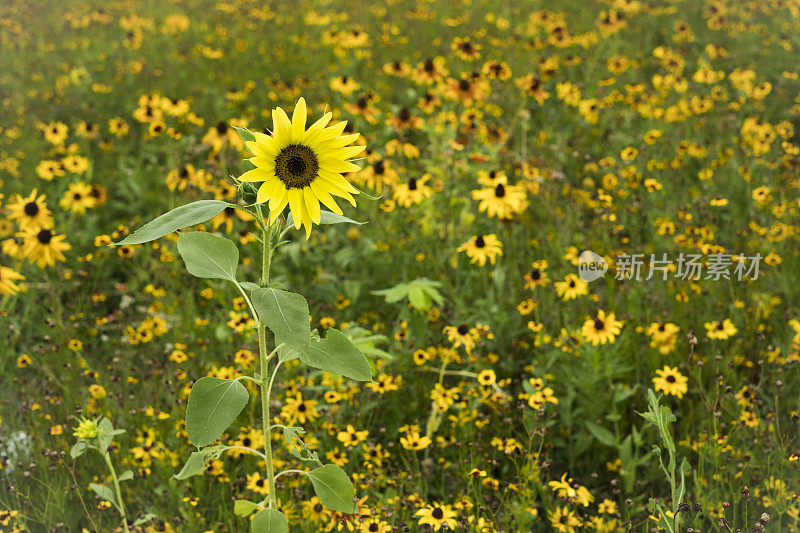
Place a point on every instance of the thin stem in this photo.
(120, 503)
(289, 472)
(246, 449)
(266, 252)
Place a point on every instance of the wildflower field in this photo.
(405, 266)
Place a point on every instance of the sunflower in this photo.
(42, 246)
(603, 329)
(30, 211)
(302, 167)
(671, 381)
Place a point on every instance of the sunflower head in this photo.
(302, 167)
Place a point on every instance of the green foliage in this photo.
(181, 217)
(208, 256)
(421, 293)
(269, 521)
(213, 406)
(334, 488)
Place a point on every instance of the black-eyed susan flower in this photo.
(437, 516)
(721, 329)
(572, 287)
(43, 246)
(30, 211)
(502, 200)
(8, 279)
(482, 247)
(603, 329)
(302, 167)
(670, 381)
(414, 191)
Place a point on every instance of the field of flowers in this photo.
(441, 265)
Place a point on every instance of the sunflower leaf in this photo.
(339, 355)
(213, 405)
(286, 315)
(269, 521)
(333, 488)
(179, 218)
(208, 256)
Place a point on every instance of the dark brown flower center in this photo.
(31, 209)
(44, 236)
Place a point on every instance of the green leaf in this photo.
(208, 256)
(180, 217)
(78, 449)
(104, 492)
(601, 434)
(249, 286)
(195, 465)
(143, 520)
(418, 298)
(269, 521)
(286, 315)
(125, 476)
(244, 507)
(244, 133)
(339, 355)
(334, 488)
(326, 217)
(213, 406)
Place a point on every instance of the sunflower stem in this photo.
(266, 386)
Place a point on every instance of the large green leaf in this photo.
(337, 354)
(195, 465)
(208, 256)
(269, 521)
(180, 217)
(286, 315)
(334, 488)
(213, 406)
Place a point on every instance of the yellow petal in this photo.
(338, 165)
(254, 175)
(280, 204)
(299, 120)
(296, 205)
(312, 204)
(280, 126)
(321, 191)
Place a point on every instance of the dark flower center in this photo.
(720, 327)
(499, 191)
(670, 379)
(404, 114)
(462, 329)
(428, 65)
(379, 167)
(412, 184)
(599, 325)
(44, 236)
(463, 85)
(31, 209)
(536, 274)
(479, 242)
(296, 166)
(437, 513)
(222, 128)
